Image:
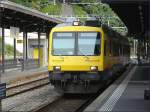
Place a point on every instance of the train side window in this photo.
(120, 50)
(110, 48)
(115, 49)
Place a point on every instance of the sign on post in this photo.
(2, 91)
(14, 32)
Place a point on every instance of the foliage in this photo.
(42, 5)
(78, 10)
(9, 49)
(52, 9)
(88, 1)
(105, 12)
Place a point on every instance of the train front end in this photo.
(76, 58)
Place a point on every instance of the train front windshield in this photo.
(73, 43)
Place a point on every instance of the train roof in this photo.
(115, 35)
(77, 28)
(92, 26)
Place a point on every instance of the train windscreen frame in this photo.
(76, 43)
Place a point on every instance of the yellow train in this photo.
(83, 58)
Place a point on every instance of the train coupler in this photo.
(75, 79)
(86, 83)
(63, 83)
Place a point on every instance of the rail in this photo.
(27, 86)
(79, 102)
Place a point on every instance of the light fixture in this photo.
(57, 68)
(94, 68)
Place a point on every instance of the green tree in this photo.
(9, 50)
(42, 5)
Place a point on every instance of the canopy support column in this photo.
(14, 49)
(24, 49)
(39, 42)
(26, 44)
(3, 49)
(47, 37)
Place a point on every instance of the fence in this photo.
(30, 64)
(19, 64)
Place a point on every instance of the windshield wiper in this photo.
(84, 54)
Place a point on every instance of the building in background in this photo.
(32, 46)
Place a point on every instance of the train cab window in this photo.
(110, 48)
(89, 43)
(63, 43)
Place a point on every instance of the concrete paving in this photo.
(126, 96)
(30, 101)
(13, 74)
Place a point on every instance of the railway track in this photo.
(78, 103)
(12, 90)
(66, 104)
(71, 103)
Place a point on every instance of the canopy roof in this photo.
(135, 14)
(12, 14)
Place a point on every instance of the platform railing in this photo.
(30, 64)
(19, 64)
(11, 63)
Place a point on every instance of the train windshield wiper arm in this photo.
(84, 54)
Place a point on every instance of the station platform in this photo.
(18, 75)
(126, 94)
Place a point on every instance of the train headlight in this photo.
(94, 68)
(57, 68)
(76, 23)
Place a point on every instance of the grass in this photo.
(9, 49)
(78, 11)
(52, 9)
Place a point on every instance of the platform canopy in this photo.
(135, 14)
(12, 14)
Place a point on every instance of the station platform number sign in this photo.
(2, 91)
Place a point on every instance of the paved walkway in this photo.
(126, 95)
(11, 75)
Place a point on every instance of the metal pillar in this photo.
(47, 37)
(39, 41)
(145, 49)
(26, 44)
(134, 48)
(14, 49)
(3, 49)
(24, 49)
(147, 46)
(139, 50)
